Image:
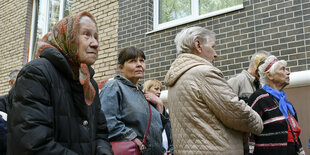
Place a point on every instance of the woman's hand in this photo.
(155, 101)
(138, 142)
(167, 153)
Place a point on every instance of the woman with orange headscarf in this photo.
(55, 108)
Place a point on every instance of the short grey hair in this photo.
(86, 18)
(184, 40)
(262, 68)
(13, 73)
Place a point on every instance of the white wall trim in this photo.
(297, 79)
(188, 19)
(32, 31)
(61, 9)
(164, 95)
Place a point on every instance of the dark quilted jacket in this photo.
(4, 103)
(48, 114)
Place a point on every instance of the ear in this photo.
(269, 76)
(120, 67)
(11, 82)
(197, 44)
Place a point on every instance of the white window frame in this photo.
(34, 22)
(193, 17)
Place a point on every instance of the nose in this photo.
(215, 54)
(94, 43)
(139, 63)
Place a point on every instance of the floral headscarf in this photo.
(64, 37)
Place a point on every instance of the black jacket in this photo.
(3, 126)
(48, 114)
(169, 135)
(4, 103)
(3, 135)
(273, 139)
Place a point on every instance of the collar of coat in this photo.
(127, 82)
(61, 63)
(183, 63)
(248, 75)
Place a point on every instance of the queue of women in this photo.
(55, 106)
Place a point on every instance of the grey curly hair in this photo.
(184, 40)
(13, 73)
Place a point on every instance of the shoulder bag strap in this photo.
(148, 125)
(289, 124)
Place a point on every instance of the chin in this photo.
(285, 84)
(89, 63)
(139, 76)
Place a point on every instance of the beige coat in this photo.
(243, 84)
(206, 116)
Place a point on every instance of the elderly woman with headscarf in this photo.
(55, 107)
(281, 130)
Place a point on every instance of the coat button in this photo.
(85, 123)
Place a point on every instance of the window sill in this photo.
(190, 19)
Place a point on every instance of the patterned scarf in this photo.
(283, 104)
(64, 37)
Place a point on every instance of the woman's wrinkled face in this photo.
(133, 69)
(155, 89)
(88, 42)
(281, 75)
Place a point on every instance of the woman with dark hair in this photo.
(281, 130)
(54, 104)
(127, 110)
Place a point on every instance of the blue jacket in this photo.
(127, 114)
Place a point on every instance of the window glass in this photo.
(170, 13)
(53, 13)
(40, 27)
(48, 14)
(207, 6)
(68, 4)
(173, 9)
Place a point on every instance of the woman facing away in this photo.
(281, 130)
(54, 104)
(154, 87)
(126, 108)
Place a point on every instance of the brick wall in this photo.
(14, 38)
(279, 26)
(15, 19)
(106, 15)
(135, 19)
